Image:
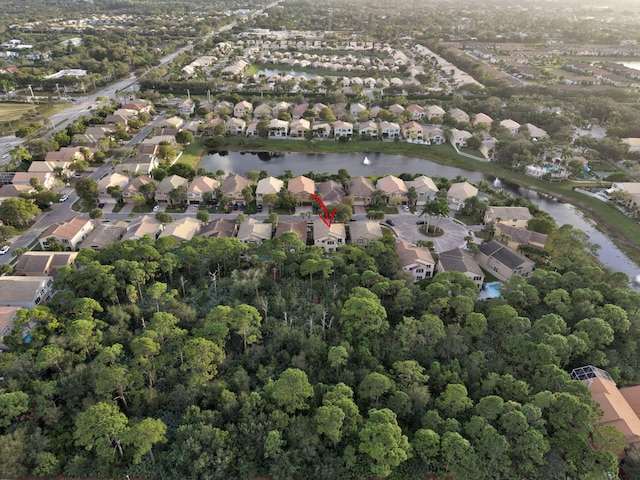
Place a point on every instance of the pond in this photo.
(384, 164)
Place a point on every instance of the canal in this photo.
(383, 164)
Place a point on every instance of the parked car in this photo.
(194, 208)
(235, 206)
(421, 222)
(156, 208)
(4, 249)
(259, 208)
(405, 208)
(390, 222)
(64, 198)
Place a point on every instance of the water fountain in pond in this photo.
(497, 184)
(366, 161)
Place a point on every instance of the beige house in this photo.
(199, 186)
(235, 126)
(459, 138)
(482, 118)
(242, 108)
(38, 264)
(46, 179)
(512, 216)
(331, 191)
(220, 227)
(395, 188)
(70, 232)
(25, 292)
(434, 111)
(105, 234)
(268, 186)
(68, 154)
(7, 318)
(433, 135)
(511, 125)
(299, 128)
(361, 190)
(262, 111)
(302, 187)
(368, 128)
(167, 185)
(502, 261)
(458, 193)
(278, 128)
(416, 260)
(108, 182)
(328, 238)
(133, 189)
(143, 225)
(459, 115)
(11, 191)
(182, 230)
(342, 129)
(389, 129)
(514, 236)
(141, 164)
(461, 260)
(232, 188)
(299, 227)
(50, 166)
(412, 130)
(254, 232)
(364, 233)
(417, 112)
(425, 188)
(321, 130)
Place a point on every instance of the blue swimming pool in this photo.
(27, 338)
(491, 290)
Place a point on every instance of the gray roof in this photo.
(503, 254)
(459, 260)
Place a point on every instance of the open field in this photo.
(10, 112)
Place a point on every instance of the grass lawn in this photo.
(193, 152)
(142, 209)
(382, 208)
(10, 112)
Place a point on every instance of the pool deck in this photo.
(488, 293)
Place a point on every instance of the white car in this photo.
(405, 208)
(194, 208)
(156, 208)
(4, 249)
(63, 198)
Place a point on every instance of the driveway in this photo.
(407, 230)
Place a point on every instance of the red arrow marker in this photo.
(328, 220)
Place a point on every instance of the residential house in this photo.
(417, 261)
(458, 193)
(512, 216)
(434, 111)
(198, 187)
(223, 108)
(321, 130)
(141, 164)
(262, 111)
(211, 127)
(281, 107)
(299, 110)
(167, 185)
(302, 188)
(242, 108)
(143, 225)
(632, 188)
(69, 232)
(375, 111)
(278, 128)
(13, 191)
(394, 188)
(620, 407)
(502, 261)
(396, 109)
(46, 179)
(368, 129)
(459, 138)
(511, 125)
(25, 292)
(110, 182)
(130, 191)
(7, 318)
(412, 131)
(138, 104)
(417, 112)
(331, 192)
(235, 126)
(364, 233)
(182, 230)
(299, 227)
(158, 139)
(267, 186)
(186, 107)
(459, 115)
(232, 188)
(92, 135)
(252, 129)
(69, 154)
(425, 188)
(342, 129)
(536, 133)
(482, 118)
(461, 260)
(433, 135)
(220, 227)
(513, 237)
(254, 232)
(389, 130)
(361, 190)
(105, 234)
(299, 128)
(488, 146)
(356, 108)
(38, 264)
(173, 122)
(328, 238)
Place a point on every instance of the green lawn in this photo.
(192, 154)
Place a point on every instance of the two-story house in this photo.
(425, 188)
(254, 232)
(342, 129)
(458, 194)
(200, 186)
(368, 129)
(502, 261)
(267, 186)
(278, 128)
(232, 188)
(182, 230)
(167, 185)
(459, 115)
(133, 188)
(25, 292)
(364, 233)
(459, 138)
(235, 126)
(302, 187)
(242, 108)
(299, 128)
(108, 183)
(328, 238)
(395, 189)
(412, 131)
(461, 260)
(512, 216)
(69, 232)
(390, 129)
(143, 225)
(361, 190)
(417, 261)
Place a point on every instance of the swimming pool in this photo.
(491, 290)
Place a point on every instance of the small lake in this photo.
(384, 164)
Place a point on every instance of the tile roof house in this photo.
(425, 188)
(70, 232)
(242, 108)
(109, 181)
(461, 260)
(167, 185)
(459, 138)
(364, 233)
(434, 111)
(11, 191)
(235, 126)
(183, 229)
(66, 154)
(105, 234)
(368, 128)
(278, 128)
(620, 407)
(417, 111)
(511, 125)
(512, 216)
(199, 186)
(536, 133)
(328, 238)
(46, 179)
(299, 227)
(502, 261)
(514, 236)
(458, 193)
(220, 227)
(394, 187)
(331, 191)
(342, 129)
(321, 130)
(7, 318)
(361, 190)
(459, 115)
(133, 189)
(232, 188)
(268, 186)
(417, 261)
(25, 292)
(31, 264)
(141, 164)
(143, 225)
(389, 129)
(254, 232)
(299, 128)
(412, 130)
(302, 187)
(433, 135)
(396, 109)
